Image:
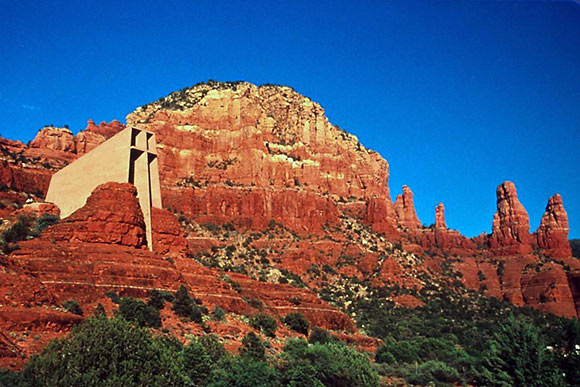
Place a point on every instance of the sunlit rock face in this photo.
(251, 154)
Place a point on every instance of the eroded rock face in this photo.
(94, 135)
(111, 215)
(511, 224)
(405, 210)
(52, 138)
(552, 235)
(267, 145)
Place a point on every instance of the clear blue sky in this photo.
(457, 96)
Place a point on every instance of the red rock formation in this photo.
(552, 235)
(440, 217)
(511, 225)
(267, 137)
(405, 210)
(167, 233)
(380, 215)
(57, 139)
(111, 215)
(94, 135)
(549, 291)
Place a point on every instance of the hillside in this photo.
(269, 208)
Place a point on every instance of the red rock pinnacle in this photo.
(440, 217)
(405, 210)
(511, 224)
(552, 235)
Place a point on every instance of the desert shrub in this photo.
(253, 347)
(19, 231)
(196, 363)
(320, 336)
(138, 312)
(156, 299)
(73, 307)
(99, 311)
(214, 348)
(218, 314)
(244, 371)
(264, 323)
(44, 221)
(303, 364)
(102, 352)
(297, 322)
(434, 371)
(184, 306)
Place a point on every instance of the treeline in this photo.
(459, 339)
(115, 352)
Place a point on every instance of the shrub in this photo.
(331, 364)
(434, 371)
(196, 363)
(264, 323)
(156, 299)
(73, 307)
(218, 314)
(44, 221)
(19, 230)
(253, 347)
(518, 356)
(297, 322)
(320, 336)
(138, 312)
(214, 348)
(105, 353)
(184, 306)
(244, 372)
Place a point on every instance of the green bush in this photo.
(517, 356)
(196, 363)
(19, 230)
(264, 323)
(303, 364)
(73, 307)
(253, 347)
(138, 312)
(297, 322)
(214, 348)
(320, 336)
(434, 371)
(218, 314)
(44, 221)
(184, 306)
(244, 372)
(102, 352)
(156, 299)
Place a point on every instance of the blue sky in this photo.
(458, 96)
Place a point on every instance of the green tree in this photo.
(105, 353)
(517, 356)
(244, 372)
(297, 322)
(330, 364)
(253, 347)
(264, 323)
(214, 348)
(196, 362)
(184, 306)
(156, 299)
(73, 306)
(138, 312)
(320, 336)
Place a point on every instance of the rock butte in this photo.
(256, 157)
